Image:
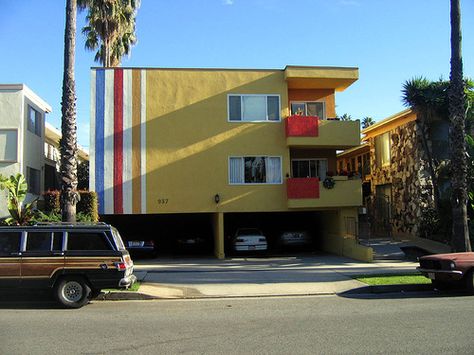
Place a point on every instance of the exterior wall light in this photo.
(217, 198)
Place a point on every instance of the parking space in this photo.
(173, 235)
(286, 232)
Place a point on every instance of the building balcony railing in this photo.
(302, 126)
(310, 131)
(310, 193)
(302, 188)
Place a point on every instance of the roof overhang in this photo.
(336, 78)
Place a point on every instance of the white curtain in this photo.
(322, 168)
(254, 108)
(236, 171)
(273, 167)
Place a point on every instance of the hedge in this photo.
(88, 205)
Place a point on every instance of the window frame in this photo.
(254, 183)
(308, 160)
(306, 107)
(28, 177)
(378, 152)
(5, 131)
(266, 108)
(37, 123)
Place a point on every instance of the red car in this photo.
(447, 270)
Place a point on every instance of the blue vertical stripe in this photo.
(99, 137)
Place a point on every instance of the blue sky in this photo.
(390, 41)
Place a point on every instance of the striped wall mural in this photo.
(118, 138)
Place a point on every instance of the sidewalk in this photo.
(254, 277)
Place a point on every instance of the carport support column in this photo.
(219, 235)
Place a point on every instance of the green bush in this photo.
(52, 202)
(86, 208)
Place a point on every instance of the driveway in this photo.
(252, 276)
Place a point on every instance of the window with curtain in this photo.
(382, 149)
(254, 107)
(306, 168)
(255, 170)
(308, 109)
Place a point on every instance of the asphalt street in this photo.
(417, 323)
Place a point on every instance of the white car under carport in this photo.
(249, 239)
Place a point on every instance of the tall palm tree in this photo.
(428, 100)
(367, 121)
(459, 197)
(110, 29)
(68, 147)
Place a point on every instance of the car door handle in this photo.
(58, 253)
(15, 254)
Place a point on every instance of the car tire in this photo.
(72, 292)
(470, 281)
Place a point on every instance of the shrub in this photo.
(86, 208)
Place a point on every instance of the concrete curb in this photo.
(133, 296)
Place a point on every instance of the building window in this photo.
(34, 121)
(308, 109)
(382, 149)
(255, 170)
(305, 168)
(254, 107)
(33, 177)
(8, 145)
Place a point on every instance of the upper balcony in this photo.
(310, 193)
(310, 131)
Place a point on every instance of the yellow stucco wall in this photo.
(187, 156)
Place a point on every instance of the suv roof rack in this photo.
(70, 224)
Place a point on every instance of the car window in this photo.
(118, 239)
(39, 241)
(87, 241)
(248, 231)
(9, 242)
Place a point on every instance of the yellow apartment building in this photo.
(211, 150)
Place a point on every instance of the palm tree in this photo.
(457, 139)
(110, 29)
(68, 147)
(428, 100)
(345, 117)
(367, 121)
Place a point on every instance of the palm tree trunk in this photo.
(68, 167)
(460, 237)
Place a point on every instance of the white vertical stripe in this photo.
(92, 134)
(109, 143)
(143, 139)
(127, 141)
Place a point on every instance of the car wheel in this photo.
(72, 292)
(470, 281)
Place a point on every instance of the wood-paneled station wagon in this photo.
(75, 260)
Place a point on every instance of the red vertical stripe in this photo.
(118, 140)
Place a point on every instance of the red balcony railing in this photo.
(302, 126)
(298, 188)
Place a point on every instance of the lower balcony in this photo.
(310, 193)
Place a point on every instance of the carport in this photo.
(273, 224)
(172, 233)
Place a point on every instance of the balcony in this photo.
(310, 193)
(302, 188)
(311, 132)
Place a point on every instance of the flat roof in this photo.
(29, 93)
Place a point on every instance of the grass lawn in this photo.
(392, 279)
(134, 288)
